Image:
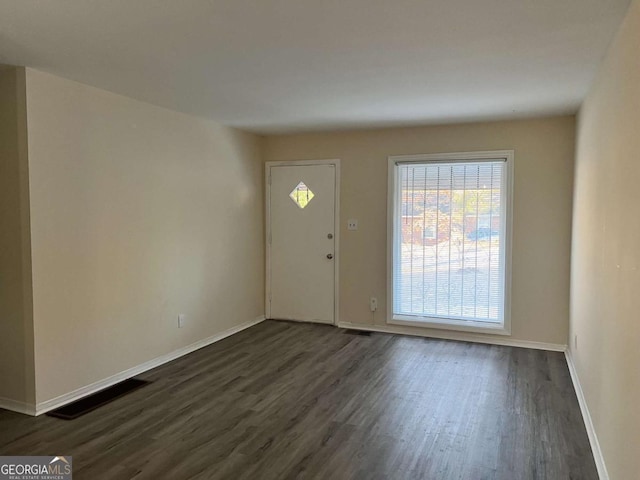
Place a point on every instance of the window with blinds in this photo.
(449, 240)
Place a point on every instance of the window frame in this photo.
(503, 328)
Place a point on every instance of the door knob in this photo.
(329, 256)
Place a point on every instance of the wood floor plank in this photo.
(286, 400)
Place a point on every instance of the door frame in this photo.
(336, 235)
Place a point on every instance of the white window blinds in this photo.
(449, 240)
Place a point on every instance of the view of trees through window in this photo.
(450, 246)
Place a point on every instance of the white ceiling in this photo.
(290, 65)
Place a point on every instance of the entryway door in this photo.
(302, 232)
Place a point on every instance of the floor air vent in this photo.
(358, 332)
(98, 399)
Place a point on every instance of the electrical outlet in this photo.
(182, 318)
(373, 304)
(352, 224)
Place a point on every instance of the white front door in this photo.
(301, 243)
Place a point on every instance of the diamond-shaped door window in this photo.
(301, 195)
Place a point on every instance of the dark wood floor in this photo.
(284, 400)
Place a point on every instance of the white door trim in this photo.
(267, 178)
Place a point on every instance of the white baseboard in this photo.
(459, 336)
(15, 406)
(56, 402)
(588, 423)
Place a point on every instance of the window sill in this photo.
(450, 324)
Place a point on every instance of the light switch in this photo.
(352, 224)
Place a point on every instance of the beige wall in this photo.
(543, 173)
(138, 214)
(16, 327)
(605, 290)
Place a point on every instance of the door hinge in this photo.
(269, 296)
